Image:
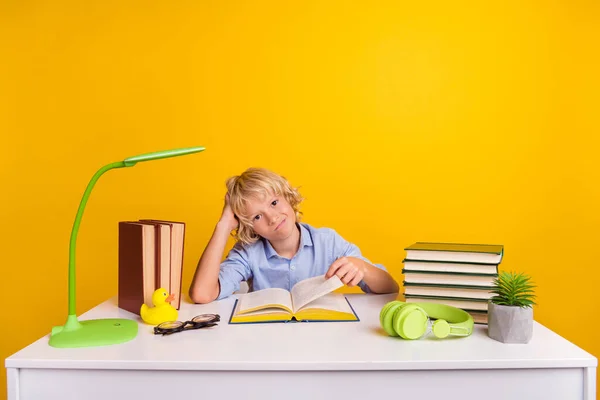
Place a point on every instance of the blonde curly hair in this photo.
(257, 183)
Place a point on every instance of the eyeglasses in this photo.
(198, 322)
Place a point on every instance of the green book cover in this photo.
(449, 262)
(446, 285)
(404, 270)
(457, 247)
(446, 298)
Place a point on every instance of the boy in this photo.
(274, 249)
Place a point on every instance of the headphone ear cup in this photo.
(386, 317)
(440, 328)
(410, 322)
(385, 309)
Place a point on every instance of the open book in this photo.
(309, 300)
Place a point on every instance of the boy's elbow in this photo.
(392, 286)
(202, 297)
(395, 287)
(199, 298)
(387, 287)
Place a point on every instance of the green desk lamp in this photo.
(100, 332)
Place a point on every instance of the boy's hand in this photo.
(228, 217)
(350, 270)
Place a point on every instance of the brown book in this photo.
(162, 254)
(480, 318)
(177, 245)
(136, 265)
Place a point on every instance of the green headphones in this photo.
(410, 320)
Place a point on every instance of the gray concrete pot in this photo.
(509, 324)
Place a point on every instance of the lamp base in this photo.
(92, 333)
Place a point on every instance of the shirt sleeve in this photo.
(343, 248)
(234, 269)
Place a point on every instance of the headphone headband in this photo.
(457, 319)
(449, 320)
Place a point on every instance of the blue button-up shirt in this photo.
(260, 263)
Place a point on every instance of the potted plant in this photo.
(510, 310)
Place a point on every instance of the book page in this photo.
(263, 311)
(310, 289)
(331, 301)
(266, 298)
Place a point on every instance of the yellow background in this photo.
(456, 121)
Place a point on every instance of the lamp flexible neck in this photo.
(75, 230)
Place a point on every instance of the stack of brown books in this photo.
(456, 274)
(150, 257)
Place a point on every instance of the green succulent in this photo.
(513, 289)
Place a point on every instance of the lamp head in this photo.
(131, 161)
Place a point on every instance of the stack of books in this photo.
(459, 275)
(150, 257)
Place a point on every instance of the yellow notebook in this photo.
(309, 300)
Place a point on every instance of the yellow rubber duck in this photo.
(162, 310)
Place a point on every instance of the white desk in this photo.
(351, 360)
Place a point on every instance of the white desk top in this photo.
(301, 346)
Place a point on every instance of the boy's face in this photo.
(272, 217)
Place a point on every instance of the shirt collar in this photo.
(305, 240)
